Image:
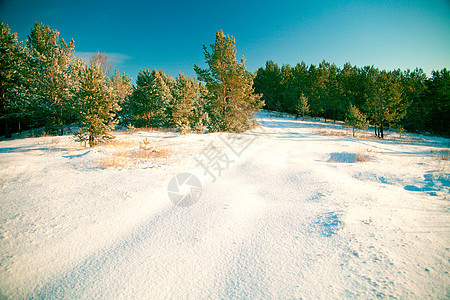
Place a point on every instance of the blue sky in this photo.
(169, 35)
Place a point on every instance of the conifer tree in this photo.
(185, 95)
(268, 83)
(384, 102)
(200, 115)
(356, 119)
(97, 106)
(52, 75)
(151, 97)
(231, 98)
(14, 105)
(121, 88)
(302, 107)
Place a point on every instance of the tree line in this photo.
(387, 99)
(43, 85)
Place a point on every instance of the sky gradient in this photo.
(169, 35)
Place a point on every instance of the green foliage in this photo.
(151, 98)
(356, 119)
(231, 98)
(40, 85)
(384, 102)
(97, 106)
(389, 99)
(268, 83)
(186, 96)
(14, 104)
(302, 107)
(437, 102)
(52, 76)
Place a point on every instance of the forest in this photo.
(387, 99)
(44, 87)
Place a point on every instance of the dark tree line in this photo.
(43, 85)
(394, 99)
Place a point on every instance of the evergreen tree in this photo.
(268, 83)
(302, 107)
(384, 102)
(186, 94)
(52, 75)
(413, 91)
(200, 115)
(151, 98)
(437, 99)
(97, 106)
(231, 98)
(121, 89)
(315, 87)
(14, 105)
(356, 119)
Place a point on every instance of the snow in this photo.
(287, 210)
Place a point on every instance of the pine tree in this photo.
(232, 101)
(384, 102)
(200, 117)
(151, 97)
(356, 119)
(302, 107)
(268, 83)
(53, 77)
(97, 106)
(437, 100)
(14, 105)
(185, 95)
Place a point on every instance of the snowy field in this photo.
(292, 209)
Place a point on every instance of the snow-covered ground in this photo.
(292, 209)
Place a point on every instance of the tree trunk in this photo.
(381, 131)
(353, 129)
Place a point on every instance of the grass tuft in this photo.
(129, 153)
(359, 157)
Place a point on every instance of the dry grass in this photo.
(348, 157)
(112, 162)
(443, 155)
(330, 132)
(128, 153)
(359, 157)
(147, 129)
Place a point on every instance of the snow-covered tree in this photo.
(53, 76)
(231, 99)
(97, 106)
